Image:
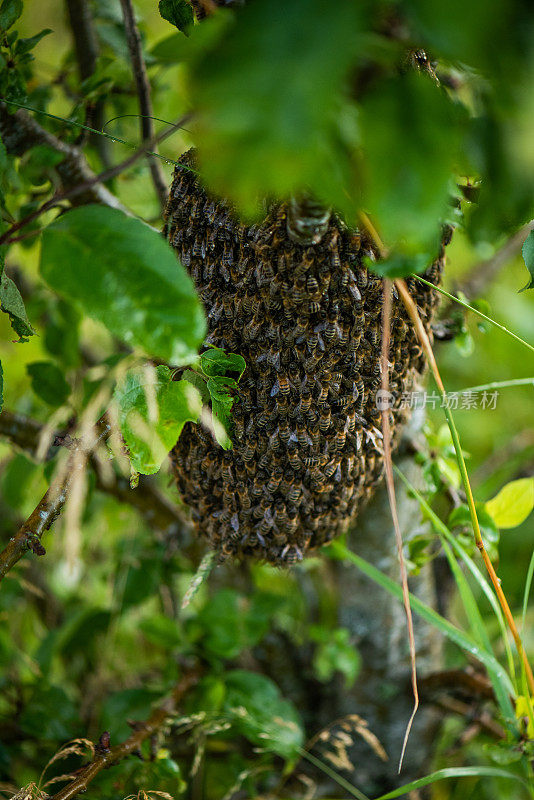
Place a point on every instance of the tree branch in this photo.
(143, 92)
(107, 756)
(158, 512)
(86, 48)
(79, 189)
(28, 537)
(20, 132)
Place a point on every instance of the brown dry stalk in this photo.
(388, 464)
(107, 756)
(411, 308)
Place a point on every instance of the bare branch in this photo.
(20, 132)
(79, 189)
(107, 756)
(143, 92)
(86, 48)
(28, 537)
(158, 512)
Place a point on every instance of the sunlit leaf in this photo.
(12, 304)
(152, 412)
(10, 11)
(125, 275)
(178, 12)
(512, 505)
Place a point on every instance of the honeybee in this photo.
(325, 419)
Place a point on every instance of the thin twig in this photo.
(422, 335)
(388, 463)
(159, 512)
(107, 756)
(79, 189)
(143, 92)
(20, 132)
(28, 537)
(86, 48)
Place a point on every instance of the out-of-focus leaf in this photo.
(25, 45)
(335, 653)
(399, 265)
(221, 404)
(48, 382)
(1, 387)
(170, 50)
(261, 714)
(279, 130)
(12, 304)
(407, 185)
(61, 333)
(162, 631)
(130, 704)
(178, 12)
(50, 714)
(512, 505)
(10, 11)
(123, 274)
(152, 412)
(528, 256)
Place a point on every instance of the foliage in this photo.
(307, 95)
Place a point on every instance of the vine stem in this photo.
(424, 340)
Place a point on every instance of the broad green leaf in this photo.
(215, 362)
(512, 505)
(178, 12)
(10, 11)
(48, 382)
(198, 382)
(261, 714)
(170, 50)
(123, 274)
(12, 304)
(335, 653)
(528, 256)
(281, 129)
(152, 412)
(452, 772)
(407, 185)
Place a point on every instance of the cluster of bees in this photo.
(307, 443)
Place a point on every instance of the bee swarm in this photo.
(306, 427)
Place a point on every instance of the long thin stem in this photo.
(143, 92)
(411, 308)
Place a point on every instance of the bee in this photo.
(311, 362)
(248, 452)
(293, 556)
(300, 328)
(323, 392)
(315, 435)
(331, 327)
(302, 435)
(293, 456)
(226, 472)
(285, 431)
(283, 384)
(314, 307)
(287, 482)
(305, 401)
(274, 441)
(325, 418)
(196, 250)
(341, 438)
(274, 480)
(294, 494)
(243, 495)
(331, 468)
(313, 289)
(310, 462)
(280, 513)
(335, 261)
(299, 290)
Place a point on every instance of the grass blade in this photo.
(452, 772)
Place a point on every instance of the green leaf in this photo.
(25, 45)
(512, 505)
(335, 653)
(48, 382)
(11, 303)
(215, 362)
(10, 11)
(1, 387)
(170, 50)
(153, 409)
(261, 714)
(285, 128)
(178, 12)
(399, 265)
(407, 186)
(198, 382)
(221, 406)
(123, 274)
(528, 256)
